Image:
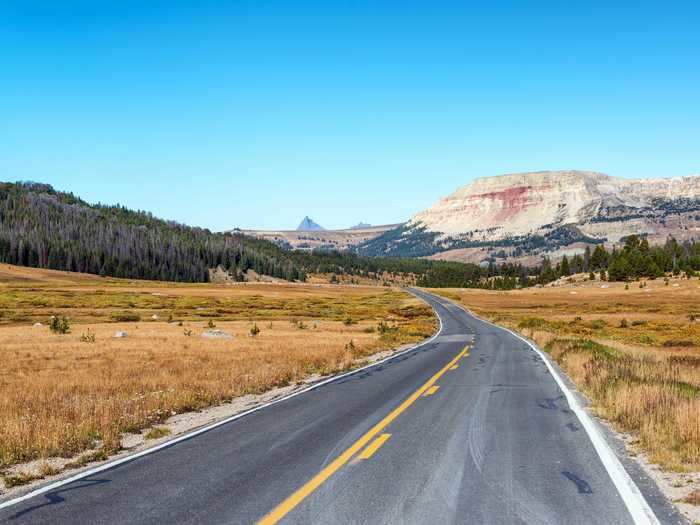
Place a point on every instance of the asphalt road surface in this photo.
(470, 427)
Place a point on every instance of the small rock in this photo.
(605, 286)
(37, 325)
(155, 317)
(216, 334)
(120, 334)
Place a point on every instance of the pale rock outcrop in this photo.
(522, 204)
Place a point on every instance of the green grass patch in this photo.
(157, 433)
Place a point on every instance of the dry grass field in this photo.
(61, 394)
(635, 352)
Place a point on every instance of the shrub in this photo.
(533, 322)
(89, 337)
(210, 324)
(126, 317)
(187, 332)
(385, 328)
(17, 480)
(59, 325)
(678, 342)
(693, 498)
(254, 330)
(348, 321)
(157, 433)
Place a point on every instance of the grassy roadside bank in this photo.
(64, 394)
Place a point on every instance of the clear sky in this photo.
(256, 113)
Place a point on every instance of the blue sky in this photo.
(256, 113)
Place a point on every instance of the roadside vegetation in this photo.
(634, 259)
(633, 350)
(87, 359)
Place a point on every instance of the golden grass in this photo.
(635, 353)
(61, 395)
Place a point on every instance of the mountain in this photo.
(361, 226)
(548, 212)
(308, 225)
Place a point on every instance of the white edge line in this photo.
(634, 500)
(114, 463)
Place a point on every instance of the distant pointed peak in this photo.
(308, 224)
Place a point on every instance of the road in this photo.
(468, 428)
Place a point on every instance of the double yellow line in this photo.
(295, 499)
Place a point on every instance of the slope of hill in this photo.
(45, 228)
(557, 212)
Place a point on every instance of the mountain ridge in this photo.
(535, 213)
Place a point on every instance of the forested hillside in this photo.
(44, 228)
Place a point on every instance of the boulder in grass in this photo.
(155, 317)
(216, 334)
(120, 334)
(37, 325)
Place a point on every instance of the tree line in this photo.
(634, 259)
(45, 228)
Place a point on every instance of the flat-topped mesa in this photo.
(493, 208)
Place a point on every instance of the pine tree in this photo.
(565, 270)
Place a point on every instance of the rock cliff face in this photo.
(494, 208)
(540, 212)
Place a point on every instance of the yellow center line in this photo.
(371, 449)
(431, 390)
(292, 501)
(455, 367)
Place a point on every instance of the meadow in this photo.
(64, 394)
(633, 349)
